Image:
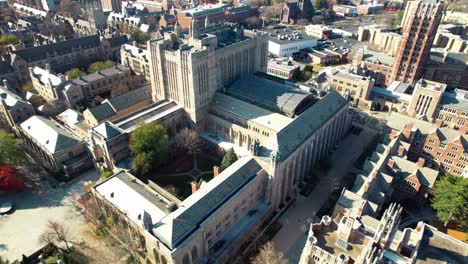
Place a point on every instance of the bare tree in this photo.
(188, 140)
(55, 232)
(272, 12)
(254, 21)
(268, 254)
(318, 19)
(303, 22)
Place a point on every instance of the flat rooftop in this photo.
(286, 35)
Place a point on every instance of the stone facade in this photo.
(13, 109)
(190, 75)
(137, 59)
(354, 87)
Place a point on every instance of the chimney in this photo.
(401, 151)
(439, 122)
(195, 186)
(393, 134)
(407, 130)
(47, 67)
(366, 187)
(216, 170)
(421, 162)
(390, 163)
(374, 174)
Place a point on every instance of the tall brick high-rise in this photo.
(420, 23)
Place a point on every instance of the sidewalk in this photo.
(296, 221)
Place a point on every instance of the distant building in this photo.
(383, 39)
(65, 55)
(318, 31)
(374, 64)
(136, 59)
(282, 69)
(213, 12)
(420, 22)
(294, 10)
(61, 93)
(368, 9)
(284, 42)
(56, 148)
(13, 109)
(355, 88)
(450, 68)
(345, 10)
(111, 5)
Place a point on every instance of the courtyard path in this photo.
(20, 231)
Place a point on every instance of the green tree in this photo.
(320, 4)
(400, 17)
(148, 144)
(10, 150)
(229, 158)
(450, 199)
(106, 174)
(8, 39)
(100, 65)
(139, 36)
(75, 73)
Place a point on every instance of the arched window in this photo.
(186, 259)
(163, 260)
(194, 253)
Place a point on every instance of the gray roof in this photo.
(437, 247)
(110, 107)
(272, 93)
(118, 41)
(5, 67)
(306, 124)
(457, 100)
(107, 130)
(374, 56)
(48, 134)
(64, 47)
(106, 73)
(177, 226)
(291, 36)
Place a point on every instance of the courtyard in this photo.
(177, 175)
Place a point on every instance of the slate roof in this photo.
(272, 93)
(177, 226)
(5, 67)
(118, 41)
(48, 134)
(446, 135)
(106, 73)
(110, 107)
(306, 124)
(107, 130)
(457, 100)
(64, 47)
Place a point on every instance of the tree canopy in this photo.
(75, 73)
(8, 39)
(100, 65)
(139, 36)
(450, 198)
(320, 4)
(268, 254)
(229, 158)
(188, 141)
(148, 144)
(10, 150)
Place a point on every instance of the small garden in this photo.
(174, 166)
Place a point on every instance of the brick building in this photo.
(442, 148)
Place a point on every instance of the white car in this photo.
(5, 208)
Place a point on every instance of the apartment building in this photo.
(354, 87)
(443, 148)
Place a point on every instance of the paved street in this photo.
(291, 238)
(21, 230)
